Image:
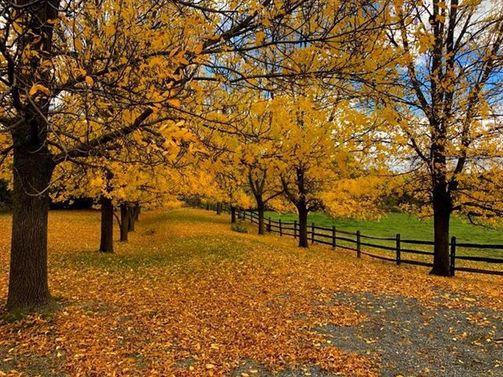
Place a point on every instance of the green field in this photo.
(409, 227)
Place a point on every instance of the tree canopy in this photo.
(299, 104)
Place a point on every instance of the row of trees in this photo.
(432, 123)
(299, 153)
(316, 102)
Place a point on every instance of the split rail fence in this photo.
(467, 257)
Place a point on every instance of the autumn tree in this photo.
(247, 152)
(258, 157)
(263, 184)
(446, 100)
(306, 155)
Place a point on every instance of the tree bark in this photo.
(28, 282)
(107, 226)
(131, 216)
(441, 220)
(300, 202)
(33, 165)
(124, 222)
(260, 211)
(302, 211)
(137, 210)
(233, 215)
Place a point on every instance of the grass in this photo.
(187, 296)
(409, 227)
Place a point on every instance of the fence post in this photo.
(453, 256)
(398, 249)
(269, 224)
(312, 233)
(280, 228)
(295, 229)
(358, 246)
(334, 239)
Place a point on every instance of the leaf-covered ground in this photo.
(189, 297)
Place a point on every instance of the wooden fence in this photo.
(392, 249)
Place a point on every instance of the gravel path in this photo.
(413, 340)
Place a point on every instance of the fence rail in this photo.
(390, 248)
(394, 252)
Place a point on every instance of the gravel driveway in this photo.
(414, 340)
(409, 339)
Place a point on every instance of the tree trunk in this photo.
(137, 210)
(124, 222)
(233, 215)
(107, 226)
(32, 165)
(441, 219)
(131, 215)
(260, 210)
(28, 282)
(302, 210)
(219, 208)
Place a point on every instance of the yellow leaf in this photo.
(109, 29)
(78, 44)
(198, 48)
(17, 27)
(174, 102)
(89, 80)
(39, 88)
(259, 38)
